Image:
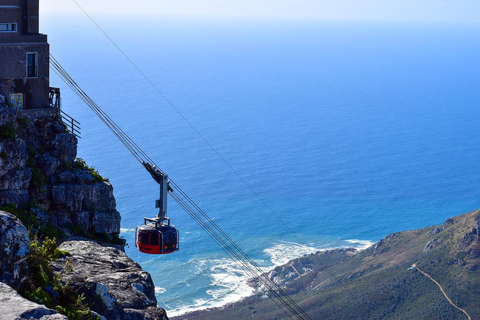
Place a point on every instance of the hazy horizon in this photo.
(459, 11)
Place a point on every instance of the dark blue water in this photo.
(348, 131)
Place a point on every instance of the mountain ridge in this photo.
(379, 283)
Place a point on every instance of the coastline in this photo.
(278, 258)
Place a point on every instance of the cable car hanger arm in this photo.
(162, 179)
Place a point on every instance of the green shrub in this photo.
(96, 176)
(65, 299)
(39, 296)
(81, 164)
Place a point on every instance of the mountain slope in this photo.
(376, 283)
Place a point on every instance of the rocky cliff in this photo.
(39, 173)
(46, 190)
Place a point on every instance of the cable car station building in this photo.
(24, 55)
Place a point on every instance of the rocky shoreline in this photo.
(378, 282)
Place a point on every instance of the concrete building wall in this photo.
(14, 46)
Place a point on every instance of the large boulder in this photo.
(114, 285)
(14, 250)
(13, 306)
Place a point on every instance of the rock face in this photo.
(13, 306)
(115, 286)
(37, 167)
(14, 249)
(48, 189)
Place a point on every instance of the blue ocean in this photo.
(348, 131)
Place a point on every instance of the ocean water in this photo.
(348, 131)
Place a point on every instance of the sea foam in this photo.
(229, 281)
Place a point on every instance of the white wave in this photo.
(285, 251)
(124, 230)
(229, 281)
(229, 284)
(160, 290)
(360, 244)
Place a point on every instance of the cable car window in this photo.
(154, 239)
(143, 237)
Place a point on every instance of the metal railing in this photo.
(72, 125)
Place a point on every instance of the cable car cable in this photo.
(214, 150)
(211, 146)
(225, 248)
(268, 283)
(251, 261)
(257, 273)
(226, 242)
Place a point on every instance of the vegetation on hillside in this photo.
(378, 283)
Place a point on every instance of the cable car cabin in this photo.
(156, 237)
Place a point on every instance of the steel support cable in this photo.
(240, 251)
(233, 255)
(225, 246)
(255, 278)
(137, 152)
(259, 279)
(71, 83)
(110, 124)
(257, 271)
(184, 118)
(133, 148)
(208, 143)
(220, 243)
(64, 75)
(115, 133)
(87, 102)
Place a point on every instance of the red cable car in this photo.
(155, 236)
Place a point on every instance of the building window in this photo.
(8, 27)
(32, 64)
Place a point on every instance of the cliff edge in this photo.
(47, 193)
